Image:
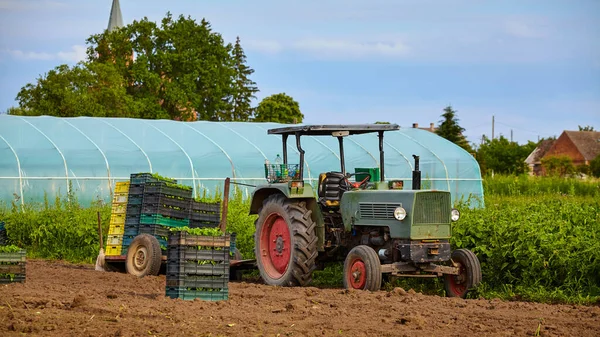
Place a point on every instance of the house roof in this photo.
(116, 19)
(587, 142)
(536, 155)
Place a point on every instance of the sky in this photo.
(531, 65)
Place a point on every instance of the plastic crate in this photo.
(127, 239)
(205, 217)
(197, 281)
(131, 230)
(15, 278)
(134, 209)
(13, 267)
(281, 173)
(117, 219)
(156, 230)
(186, 294)
(116, 229)
(114, 240)
(166, 200)
(206, 207)
(132, 220)
(135, 199)
(136, 189)
(3, 237)
(191, 253)
(157, 219)
(162, 188)
(120, 197)
(113, 250)
(165, 211)
(122, 187)
(142, 178)
(193, 268)
(180, 238)
(16, 257)
(119, 208)
(203, 224)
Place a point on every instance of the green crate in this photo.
(157, 219)
(189, 294)
(373, 171)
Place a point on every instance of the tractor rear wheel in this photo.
(286, 242)
(144, 256)
(469, 274)
(362, 269)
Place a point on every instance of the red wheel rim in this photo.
(275, 245)
(357, 274)
(458, 283)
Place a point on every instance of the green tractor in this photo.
(376, 227)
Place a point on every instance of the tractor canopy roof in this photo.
(328, 130)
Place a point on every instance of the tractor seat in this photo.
(331, 187)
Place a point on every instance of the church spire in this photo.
(116, 19)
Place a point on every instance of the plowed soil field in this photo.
(61, 299)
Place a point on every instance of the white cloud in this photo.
(25, 5)
(333, 47)
(76, 54)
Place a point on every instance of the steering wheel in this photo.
(359, 184)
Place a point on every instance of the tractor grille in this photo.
(377, 211)
(431, 208)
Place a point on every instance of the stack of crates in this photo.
(154, 206)
(13, 267)
(198, 267)
(117, 219)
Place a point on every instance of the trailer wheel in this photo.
(362, 269)
(144, 256)
(286, 242)
(469, 275)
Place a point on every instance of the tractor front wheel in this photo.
(286, 242)
(144, 256)
(469, 274)
(362, 269)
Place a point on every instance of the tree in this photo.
(451, 130)
(595, 166)
(503, 156)
(279, 108)
(182, 70)
(586, 128)
(243, 87)
(93, 89)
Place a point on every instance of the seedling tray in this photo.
(142, 178)
(193, 268)
(198, 256)
(206, 207)
(166, 211)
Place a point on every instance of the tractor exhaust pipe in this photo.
(416, 177)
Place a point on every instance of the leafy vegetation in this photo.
(199, 231)
(537, 238)
(501, 156)
(9, 249)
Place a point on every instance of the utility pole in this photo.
(511, 134)
(492, 127)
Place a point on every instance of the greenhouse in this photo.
(46, 155)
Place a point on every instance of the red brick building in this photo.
(581, 146)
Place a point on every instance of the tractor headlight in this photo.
(454, 214)
(399, 213)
